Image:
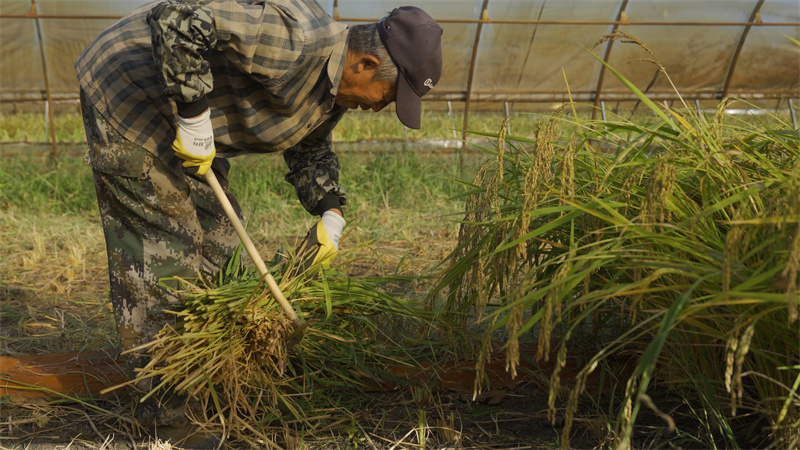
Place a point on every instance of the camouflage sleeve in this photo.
(182, 30)
(314, 173)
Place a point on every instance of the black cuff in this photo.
(192, 109)
(330, 201)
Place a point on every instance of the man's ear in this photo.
(368, 62)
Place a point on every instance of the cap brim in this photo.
(409, 104)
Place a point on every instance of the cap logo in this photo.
(428, 83)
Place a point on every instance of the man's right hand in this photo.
(194, 143)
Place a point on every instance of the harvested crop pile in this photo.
(258, 380)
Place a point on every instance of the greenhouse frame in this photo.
(497, 51)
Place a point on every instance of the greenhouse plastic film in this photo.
(525, 49)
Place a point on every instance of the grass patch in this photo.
(34, 127)
(356, 126)
(55, 185)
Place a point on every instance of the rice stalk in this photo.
(679, 235)
(229, 353)
(791, 273)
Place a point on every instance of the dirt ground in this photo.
(508, 419)
(513, 419)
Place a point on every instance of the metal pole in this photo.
(792, 114)
(601, 76)
(48, 122)
(467, 21)
(603, 109)
(455, 133)
(470, 79)
(48, 108)
(726, 86)
(452, 118)
(508, 113)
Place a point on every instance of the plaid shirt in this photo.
(268, 70)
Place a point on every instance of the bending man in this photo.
(177, 87)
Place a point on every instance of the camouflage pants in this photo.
(158, 222)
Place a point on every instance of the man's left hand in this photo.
(321, 244)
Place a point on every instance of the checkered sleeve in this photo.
(314, 170)
(314, 173)
(182, 31)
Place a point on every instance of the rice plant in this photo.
(252, 376)
(677, 241)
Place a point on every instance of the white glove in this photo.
(322, 241)
(194, 142)
(334, 225)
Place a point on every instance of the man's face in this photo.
(374, 95)
(357, 88)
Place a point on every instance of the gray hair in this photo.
(365, 39)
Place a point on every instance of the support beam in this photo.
(508, 22)
(732, 67)
(602, 75)
(471, 77)
(589, 96)
(49, 101)
(507, 111)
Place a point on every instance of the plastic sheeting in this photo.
(494, 50)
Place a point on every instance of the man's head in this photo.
(398, 59)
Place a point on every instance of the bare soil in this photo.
(513, 419)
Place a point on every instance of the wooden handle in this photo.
(249, 247)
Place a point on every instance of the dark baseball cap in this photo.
(414, 41)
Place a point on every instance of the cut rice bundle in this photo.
(232, 350)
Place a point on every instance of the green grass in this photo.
(33, 127)
(364, 126)
(60, 185)
(355, 126)
(386, 191)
